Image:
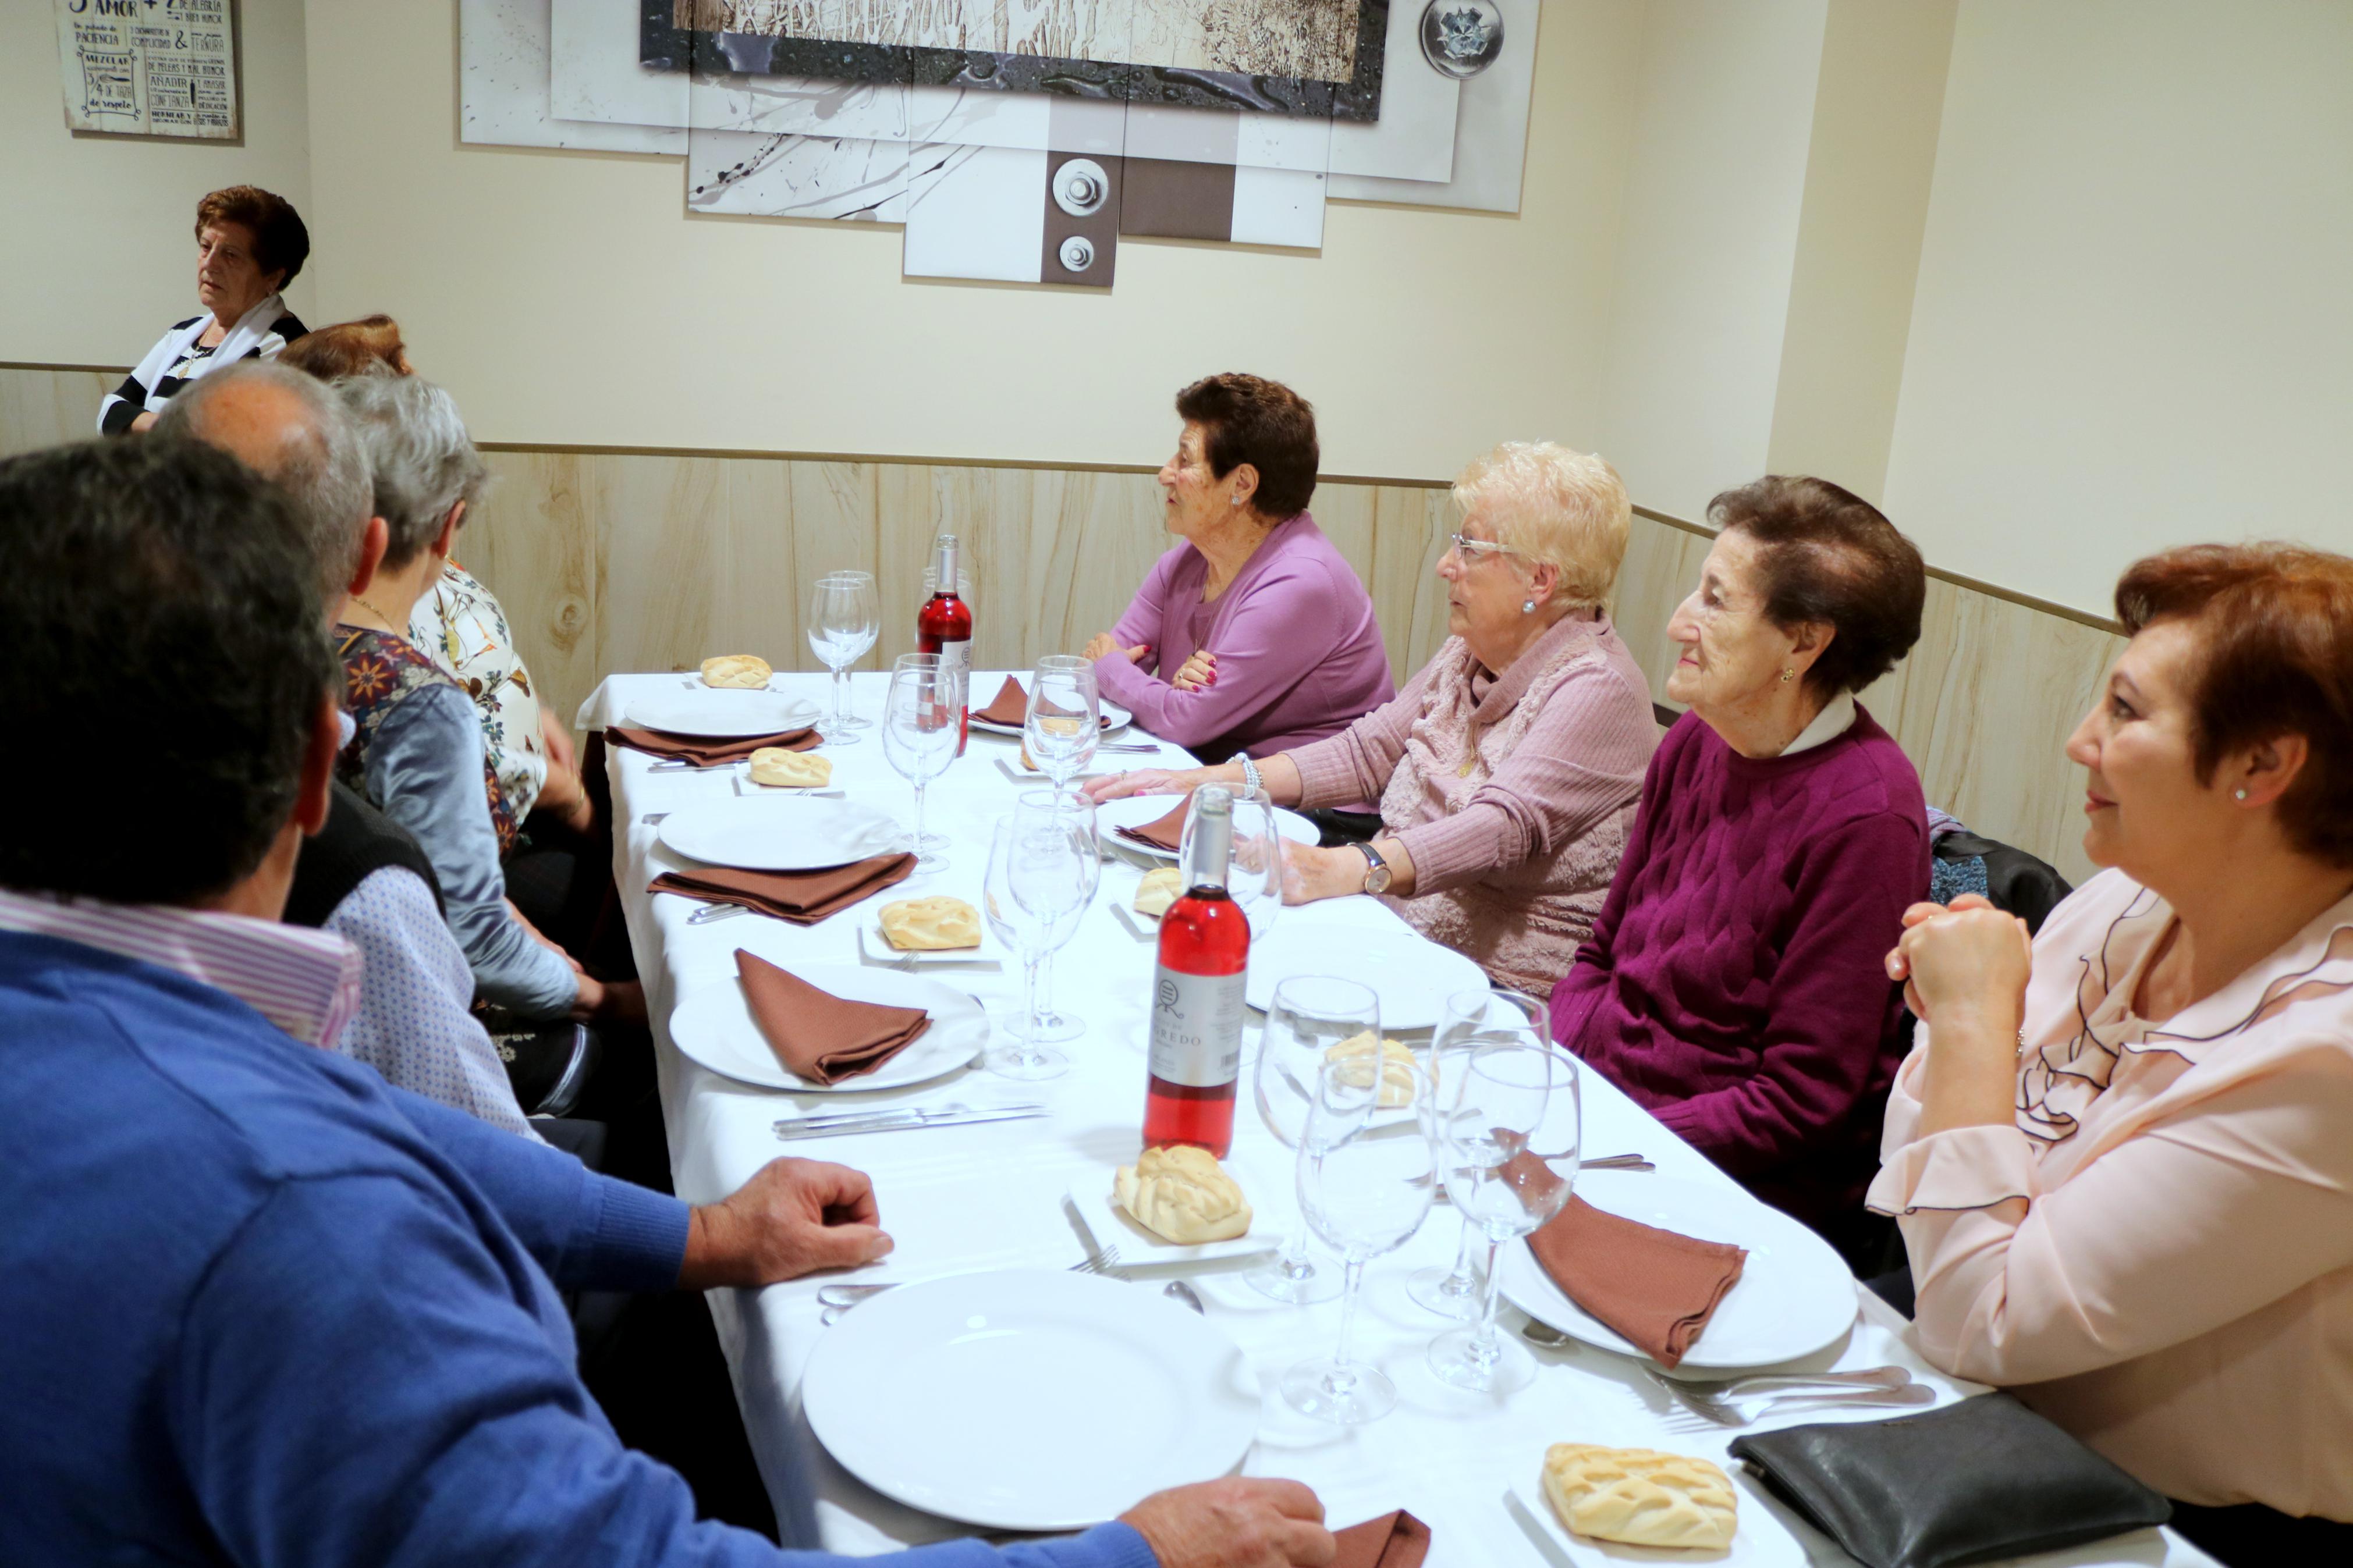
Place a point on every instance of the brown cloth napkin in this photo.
(1010, 706)
(1393, 1540)
(1164, 832)
(709, 753)
(803, 897)
(1655, 1288)
(818, 1035)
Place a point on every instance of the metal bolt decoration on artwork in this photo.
(1462, 38)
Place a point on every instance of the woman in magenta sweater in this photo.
(1254, 633)
(1734, 986)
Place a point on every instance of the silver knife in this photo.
(842, 1123)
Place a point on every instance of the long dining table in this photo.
(968, 1198)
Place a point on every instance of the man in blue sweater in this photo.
(257, 1306)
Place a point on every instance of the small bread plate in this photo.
(1758, 1540)
(1137, 810)
(1115, 719)
(721, 714)
(1108, 1225)
(1411, 975)
(714, 1026)
(1050, 1400)
(746, 786)
(1794, 1295)
(755, 835)
(875, 950)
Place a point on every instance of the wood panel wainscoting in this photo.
(619, 560)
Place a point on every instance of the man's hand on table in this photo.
(793, 1217)
(1236, 1523)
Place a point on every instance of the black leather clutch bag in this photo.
(1984, 1479)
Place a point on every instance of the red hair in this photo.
(2274, 657)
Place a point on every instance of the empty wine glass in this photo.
(842, 620)
(1043, 867)
(1366, 1175)
(1254, 859)
(1507, 1130)
(1065, 717)
(1308, 1017)
(923, 719)
(1454, 1292)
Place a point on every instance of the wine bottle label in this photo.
(958, 655)
(1196, 1028)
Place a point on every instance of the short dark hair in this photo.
(369, 346)
(2275, 657)
(1250, 419)
(165, 649)
(281, 240)
(1827, 554)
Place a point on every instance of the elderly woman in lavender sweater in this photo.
(1507, 770)
(1254, 633)
(1734, 984)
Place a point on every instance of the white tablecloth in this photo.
(974, 1197)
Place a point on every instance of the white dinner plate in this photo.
(770, 834)
(1115, 719)
(719, 714)
(1794, 1295)
(1412, 975)
(1111, 1225)
(714, 1026)
(1758, 1540)
(1029, 1399)
(1138, 809)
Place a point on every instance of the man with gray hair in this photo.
(362, 876)
(418, 755)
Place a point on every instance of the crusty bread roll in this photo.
(1159, 889)
(1640, 1496)
(930, 926)
(1396, 1065)
(1181, 1193)
(783, 769)
(741, 669)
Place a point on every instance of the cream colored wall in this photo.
(97, 246)
(1722, 123)
(2134, 326)
(568, 298)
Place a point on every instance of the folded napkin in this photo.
(1010, 706)
(705, 752)
(1162, 832)
(1653, 1287)
(1984, 1479)
(817, 1035)
(1393, 1540)
(803, 897)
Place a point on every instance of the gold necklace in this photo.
(372, 610)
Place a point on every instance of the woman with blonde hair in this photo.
(1508, 768)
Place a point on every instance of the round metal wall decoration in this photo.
(1078, 253)
(1081, 188)
(1462, 38)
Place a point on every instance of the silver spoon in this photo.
(1178, 1290)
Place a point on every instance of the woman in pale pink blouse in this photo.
(2122, 1155)
(1507, 770)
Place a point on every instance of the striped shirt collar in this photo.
(305, 982)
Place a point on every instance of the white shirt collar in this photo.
(305, 982)
(1833, 720)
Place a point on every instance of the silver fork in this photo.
(839, 1299)
(1742, 1387)
(1699, 1412)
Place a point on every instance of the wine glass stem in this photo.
(1046, 986)
(919, 817)
(1461, 1280)
(1352, 1275)
(1483, 1347)
(1032, 1028)
(840, 694)
(1295, 1266)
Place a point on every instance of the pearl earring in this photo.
(2240, 792)
(1528, 606)
(1234, 501)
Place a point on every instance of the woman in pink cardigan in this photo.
(1507, 769)
(2122, 1152)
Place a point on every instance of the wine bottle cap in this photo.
(944, 555)
(1212, 839)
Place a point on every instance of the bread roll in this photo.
(738, 669)
(1640, 1497)
(930, 926)
(1181, 1193)
(1396, 1065)
(776, 766)
(1159, 889)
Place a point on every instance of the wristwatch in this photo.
(1377, 870)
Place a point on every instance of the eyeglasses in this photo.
(1470, 549)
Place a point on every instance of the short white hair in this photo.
(1552, 504)
(423, 461)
